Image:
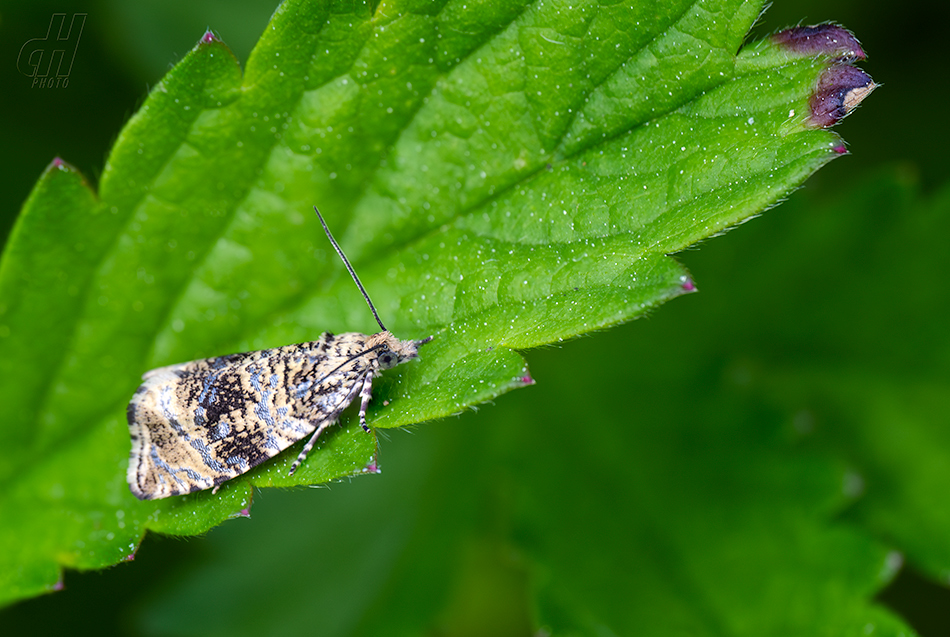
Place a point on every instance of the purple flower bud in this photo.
(821, 39)
(840, 89)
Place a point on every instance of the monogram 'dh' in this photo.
(198, 424)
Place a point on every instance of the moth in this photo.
(196, 425)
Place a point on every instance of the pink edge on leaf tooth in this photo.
(130, 557)
(59, 163)
(840, 149)
(208, 37)
(59, 585)
(243, 513)
(688, 285)
(372, 467)
(820, 39)
(840, 89)
(526, 380)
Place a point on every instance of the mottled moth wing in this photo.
(216, 363)
(198, 424)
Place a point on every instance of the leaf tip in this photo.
(687, 284)
(59, 164)
(893, 562)
(62, 168)
(854, 485)
(373, 466)
(820, 39)
(841, 88)
(208, 38)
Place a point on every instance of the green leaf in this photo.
(872, 388)
(710, 482)
(501, 176)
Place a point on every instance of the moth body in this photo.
(198, 424)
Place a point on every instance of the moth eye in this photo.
(387, 359)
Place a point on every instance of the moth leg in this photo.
(366, 393)
(307, 447)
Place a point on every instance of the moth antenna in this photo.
(349, 267)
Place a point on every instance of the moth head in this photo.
(393, 351)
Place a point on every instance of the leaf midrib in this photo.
(293, 304)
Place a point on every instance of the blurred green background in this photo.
(124, 50)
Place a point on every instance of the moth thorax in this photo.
(393, 351)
